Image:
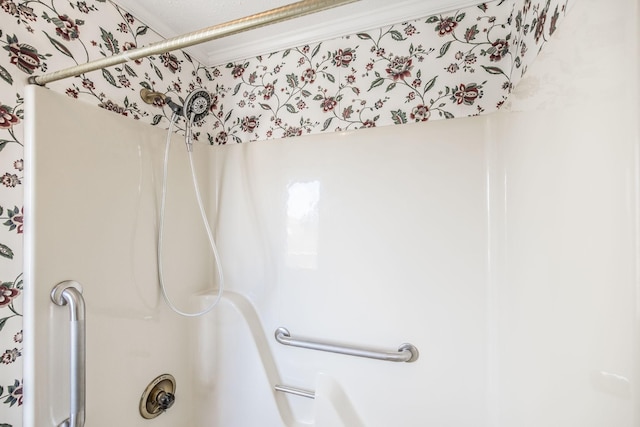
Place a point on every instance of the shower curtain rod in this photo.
(261, 19)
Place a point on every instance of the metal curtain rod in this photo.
(258, 20)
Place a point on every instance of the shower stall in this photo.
(329, 250)
(472, 272)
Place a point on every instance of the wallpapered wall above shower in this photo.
(449, 65)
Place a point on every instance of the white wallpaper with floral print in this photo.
(456, 64)
(443, 66)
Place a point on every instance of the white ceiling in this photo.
(172, 18)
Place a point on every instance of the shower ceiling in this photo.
(172, 18)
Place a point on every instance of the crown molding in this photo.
(364, 15)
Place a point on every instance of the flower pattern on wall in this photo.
(454, 64)
(11, 394)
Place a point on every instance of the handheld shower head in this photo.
(197, 104)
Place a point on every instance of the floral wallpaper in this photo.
(455, 64)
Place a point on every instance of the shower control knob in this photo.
(165, 400)
(158, 396)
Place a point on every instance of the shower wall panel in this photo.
(370, 238)
(563, 290)
(93, 195)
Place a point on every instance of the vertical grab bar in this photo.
(70, 293)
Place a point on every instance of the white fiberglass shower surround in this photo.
(503, 247)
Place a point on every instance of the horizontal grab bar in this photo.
(297, 391)
(70, 293)
(406, 352)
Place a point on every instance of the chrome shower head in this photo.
(197, 104)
